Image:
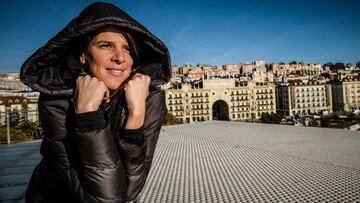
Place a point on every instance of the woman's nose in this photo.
(118, 56)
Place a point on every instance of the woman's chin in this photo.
(113, 87)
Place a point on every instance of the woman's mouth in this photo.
(116, 72)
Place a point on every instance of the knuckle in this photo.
(79, 79)
(101, 83)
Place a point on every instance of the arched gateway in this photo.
(220, 110)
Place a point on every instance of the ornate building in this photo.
(303, 98)
(346, 95)
(220, 99)
(20, 106)
(300, 69)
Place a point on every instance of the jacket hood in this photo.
(53, 68)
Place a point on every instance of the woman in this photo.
(100, 107)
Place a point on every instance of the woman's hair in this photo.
(134, 49)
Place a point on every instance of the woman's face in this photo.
(108, 57)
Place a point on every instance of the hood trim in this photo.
(45, 64)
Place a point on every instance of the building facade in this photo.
(303, 98)
(220, 99)
(346, 95)
(21, 107)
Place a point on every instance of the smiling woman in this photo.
(108, 56)
(95, 150)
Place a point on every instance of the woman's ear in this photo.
(82, 58)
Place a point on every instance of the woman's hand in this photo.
(89, 94)
(136, 92)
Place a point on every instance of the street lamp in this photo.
(7, 110)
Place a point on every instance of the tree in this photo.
(349, 65)
(330, 65)
(265, 117)
(313, 122)
(14, 117)
(325, 121)
(30, 128)
(170, 119)
(339, 66)
(271, 118)
(325, 75)
(275, 117)
(302, 63)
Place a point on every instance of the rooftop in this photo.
(229, 162)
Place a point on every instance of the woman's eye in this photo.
(104, 45)
(127, 49)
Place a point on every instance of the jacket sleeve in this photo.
(102, 176)
(137, 153)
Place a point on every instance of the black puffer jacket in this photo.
(83, 163)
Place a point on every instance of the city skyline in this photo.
(209, 32)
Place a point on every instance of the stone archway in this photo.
(220, 110)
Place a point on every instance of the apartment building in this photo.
(346, 95)
(220, 99)
(300, 69)
(303, 98)
(22, 106)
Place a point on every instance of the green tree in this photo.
(30, 128)
(358, 64)
(265, 117)
(14, 117)
(348, 65)
(271, 118)
(325, 121)
(170, 119)
(313, 123)
(330, 65)
(339, 66)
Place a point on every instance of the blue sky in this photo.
(212, 32)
